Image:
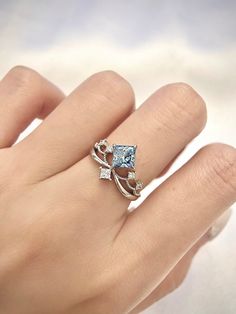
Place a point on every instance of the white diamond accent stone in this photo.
(131, 175)
(139, 185)
(105, 173)
(109, 149)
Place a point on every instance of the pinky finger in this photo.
(176, 277)
(173, 280)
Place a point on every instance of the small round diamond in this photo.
(131, 175)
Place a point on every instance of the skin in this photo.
(68, 243)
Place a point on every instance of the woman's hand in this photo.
(68, 244)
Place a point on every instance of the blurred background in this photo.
(150, 43)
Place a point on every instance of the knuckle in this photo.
(188, 104)
(110, 76)
(115, 83)
(23, 76)
(222, 160)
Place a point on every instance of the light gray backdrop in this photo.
(151, 43)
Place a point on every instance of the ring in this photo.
(123, 157)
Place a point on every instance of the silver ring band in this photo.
(123, 157)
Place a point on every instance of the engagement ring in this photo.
(122, 157)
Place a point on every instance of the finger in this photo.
(161, 128)
(24, 96)
(90, 112)
(176, 215)
(174, 279)
(170, 164)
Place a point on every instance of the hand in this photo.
(68, 244)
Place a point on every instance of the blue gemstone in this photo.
(123, 156)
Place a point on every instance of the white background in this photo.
(150, 43)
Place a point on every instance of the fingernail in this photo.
(219, 225)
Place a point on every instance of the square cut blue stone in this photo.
(123, 156)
